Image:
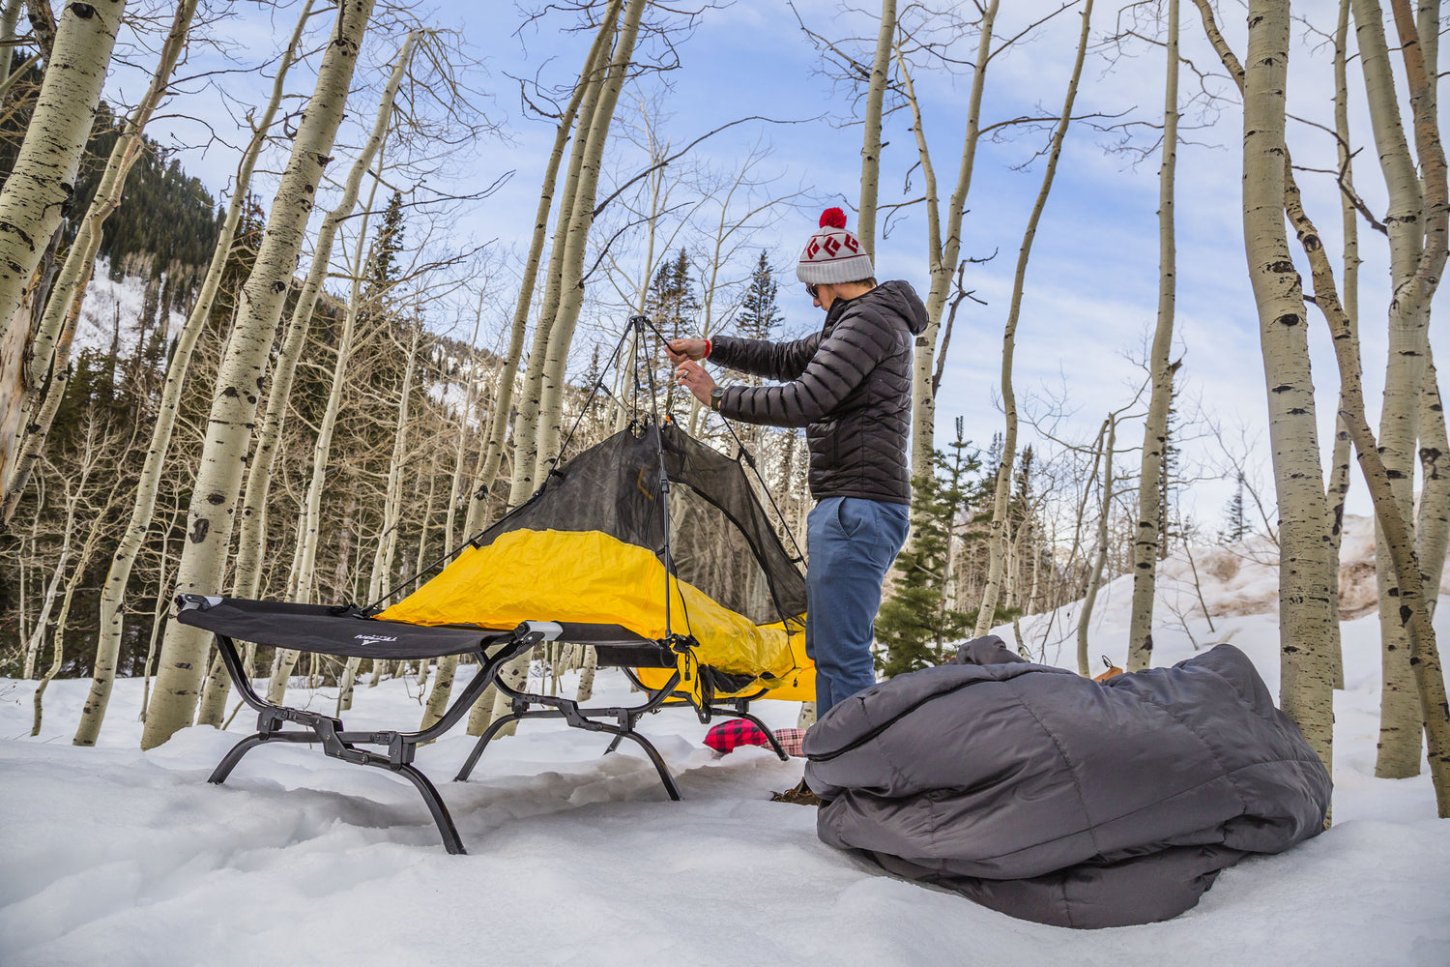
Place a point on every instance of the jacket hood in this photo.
(902, 299)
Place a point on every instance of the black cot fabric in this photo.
(849, 385)
(326, 629)
(343, 630)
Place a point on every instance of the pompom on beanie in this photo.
(833, 255)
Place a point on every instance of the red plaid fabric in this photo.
(790, 741)
(730, 735)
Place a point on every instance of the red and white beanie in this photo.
(833, 255)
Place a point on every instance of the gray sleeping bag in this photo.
(1050, 797)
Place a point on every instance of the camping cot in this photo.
(650, 546)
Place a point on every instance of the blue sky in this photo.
(1091, 287)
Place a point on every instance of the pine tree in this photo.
(672, 302)
(1237, 527)
(917, 622)
(760, 308)
(383, 264)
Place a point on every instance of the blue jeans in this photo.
(851, 543)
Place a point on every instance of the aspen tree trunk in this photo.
(158, 615)
(239, 379)
(9, 17)
(871, 136)
(47, 600)
(113, 591)
(1109, 436)
(586, 675)
(302, 578)
(996, 539)
(1416, 265)
(581, 107)
(42, 181)
(581, 218)
(1433, 526)
(590, 150)
(36, 425)
(460, 449)
(1415, 608)
(1146, 536)
(420, 560)
(251, 542)
(1308, 624)
(68, 292)
(527, 420)
(88, 548)
(944, 243)
(1349, 220)
(441, 692)
(387, 546)
(447, 666)
(1399, 745)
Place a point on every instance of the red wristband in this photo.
(708, 347)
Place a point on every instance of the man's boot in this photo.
(800, 795)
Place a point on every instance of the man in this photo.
(849, 385)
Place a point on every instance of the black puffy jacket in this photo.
(849, 385)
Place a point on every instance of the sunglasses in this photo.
(811, 288)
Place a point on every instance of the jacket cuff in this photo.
(730, 402)
(719, 350)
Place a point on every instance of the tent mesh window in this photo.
(721, 540)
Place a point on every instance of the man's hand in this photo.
(692, 376)
(684, 350)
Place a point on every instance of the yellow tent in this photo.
(657, 534)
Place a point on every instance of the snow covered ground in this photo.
(109, 856)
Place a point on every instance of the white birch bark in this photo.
(1397, 529)
(112, 607)
(589, 151)
(944, 243)
(581, 218)
(997, 535)
(580, 114)
(88, 548)
(1417, 229)
(47, 600)
(251, 541)
(579, 107)
(1339, 466)
(1308, 624)
(387, 546)
(9, 17)
(240, 378)
(37, 189)
(37, 424)
(1432, 529)
(1399, 744)
(1146, 536)
(49, 354)
(301, 580)
(466, 432)
(871, 134)
(1102, 450)
(526, 421)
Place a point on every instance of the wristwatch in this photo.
(717, 395)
